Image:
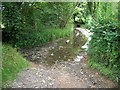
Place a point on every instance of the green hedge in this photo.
(104, 48)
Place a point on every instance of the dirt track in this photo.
(63, 72)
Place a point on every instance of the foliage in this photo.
(20, 19)
(104, 47)
(103, 70)
(40, 38)
(12, 63)
(53, 14)
(80, 12)
(12, 20)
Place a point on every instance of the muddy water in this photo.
(67, 48)
(61, 71)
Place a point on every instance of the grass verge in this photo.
(108, 72)
(12, 63)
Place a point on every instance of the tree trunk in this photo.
(90, 4)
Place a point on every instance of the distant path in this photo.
(63, 74)
(88, 34)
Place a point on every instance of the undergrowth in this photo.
(42, 36)
(108, 72)
(12, 63)
(103, 49)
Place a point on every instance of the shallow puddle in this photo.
(66, 63)
(67, 48)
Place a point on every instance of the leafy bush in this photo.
(43, 36)
(104, 46)
(28, 19)
(12, 21)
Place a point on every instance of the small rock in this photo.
(78, 58)
(52, 54)
(36, 87)
(94, 83)
(60, 47)
(43, 81)
(51, 84)
(49, 78)
(45, 50)
(67, 41)
(82, 73)
(68, 59)
(90, 86)
(38, 57)
(85, 78)
(64, 56)
(52, 47)
(93, 87)
(77, 34)
(96, 73)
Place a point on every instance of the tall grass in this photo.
(12, 63)
(43, 36)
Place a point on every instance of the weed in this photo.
(12, 63)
